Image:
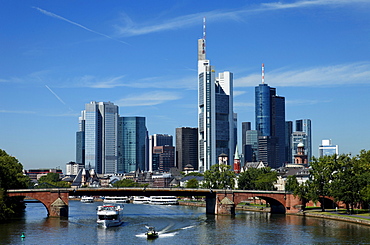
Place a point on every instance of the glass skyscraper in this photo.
(270, 123)
(97, 137)
(215, 112)
(132, 144)
(108, 143)
(327, 148)
(304, 125)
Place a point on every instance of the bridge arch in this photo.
(280, 202)
(55, 202)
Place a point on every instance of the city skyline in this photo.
(58, 56)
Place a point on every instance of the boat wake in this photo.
(166, 232)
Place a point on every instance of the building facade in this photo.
(186, 148)
(215, 112)
(304, 125)
(96, 142)
(251, 146)
(132, 144)
(157, 140)
(165, 156)
(327, 148)
(270, 123)
(288, 141)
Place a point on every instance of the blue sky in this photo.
(56, 56)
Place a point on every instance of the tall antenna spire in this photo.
(263, 73)
(204, 35)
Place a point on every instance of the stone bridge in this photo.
(217, 201)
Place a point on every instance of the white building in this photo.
(215, 112)
(327, 148)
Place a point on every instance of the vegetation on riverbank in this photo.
(345, 178)
(11, 177)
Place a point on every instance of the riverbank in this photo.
(337, 215)
(329, 214)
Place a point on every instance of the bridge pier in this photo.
(210, 204)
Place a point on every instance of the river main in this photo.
(177, 225)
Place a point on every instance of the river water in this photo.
(177, 225)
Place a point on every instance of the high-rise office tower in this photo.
(304, 125)
(270, 122)
(186, 147)
(132, 144)
(157, 140)
(327, 148)
(298, 138)
(245, 126)
(165, 156)
(215, 111)
(288, 141)
(251, 146)
(97, 137)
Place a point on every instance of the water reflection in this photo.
(179, 225)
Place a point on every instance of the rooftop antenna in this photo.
(204, 35)
(263, 73)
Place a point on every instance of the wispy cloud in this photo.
(17, 112)
(130, 28)
(237, 93)
(355, 73)
(148, 99)
(187, 82)
(76, 24)
(306, 102)
(310, 3)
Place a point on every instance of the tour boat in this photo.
(141, 200)
(163, 200)
(151, 233)
(87, 199)
(113, 199)
(109, 216)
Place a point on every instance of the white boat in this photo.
(109, 216)
(141, 200)
(163, 200)
(87, 199)
(111, 199)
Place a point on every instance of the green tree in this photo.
(321, 176)
(302, 191)
(291, 183)
(127, 183)
(364, 163)
(192, 183)
(346, 184)
(219, 177)
(257, 179)
(52, 180)
(11, 177)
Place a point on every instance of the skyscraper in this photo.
(132, 144)
(270, 123)
(245, 126)
(304, 125)
(288, 141)
(186, 147)
(298, 138)
(215, 111)
(97, 137)
(165, 156)
(251, 146)
(157, 140)
(327, 148)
